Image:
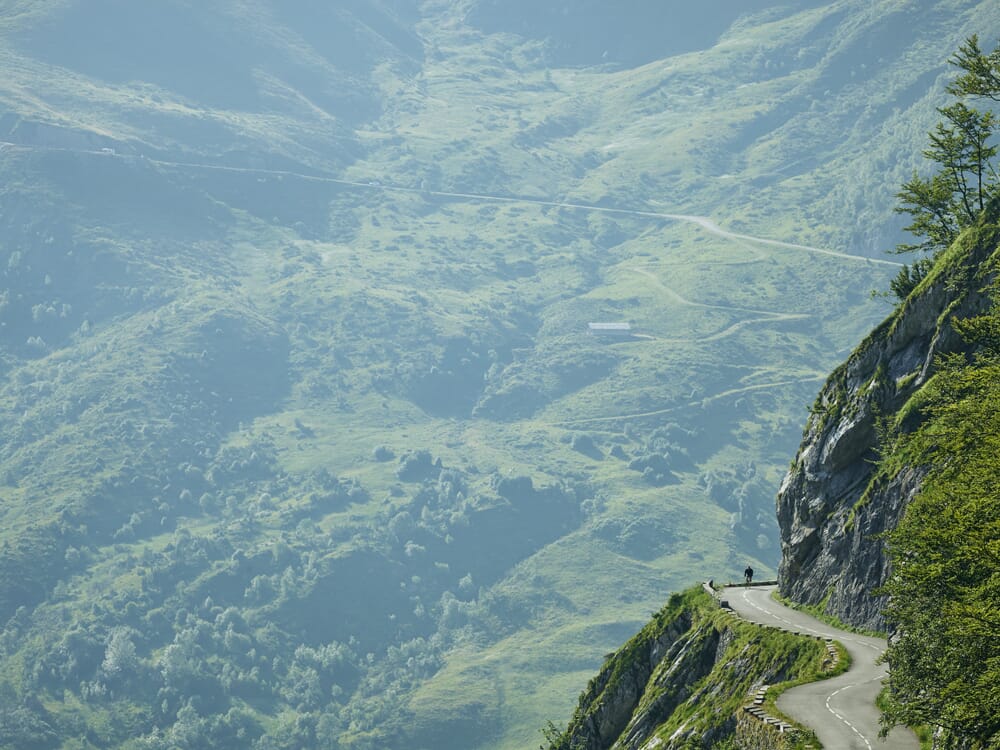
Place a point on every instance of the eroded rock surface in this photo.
(833, 504)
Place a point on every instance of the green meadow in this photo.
(307, 443)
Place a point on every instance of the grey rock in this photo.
(832, 505)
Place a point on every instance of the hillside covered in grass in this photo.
(944, 549)
(306, 441)
(888, 513)
(684, 679)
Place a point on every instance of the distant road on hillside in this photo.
(702, 221)
(841, 710)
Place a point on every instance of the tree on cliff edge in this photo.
(952, 199)
(962, 148)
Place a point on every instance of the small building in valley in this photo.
(620, 330)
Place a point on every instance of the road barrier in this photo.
(766, 731)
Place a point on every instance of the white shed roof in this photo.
(609, 326)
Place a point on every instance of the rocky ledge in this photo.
(835, 501)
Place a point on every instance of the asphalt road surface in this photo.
(841, 710)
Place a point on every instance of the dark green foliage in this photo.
(962, 150)
(25, 724)
(909, 276)
(30, 566)
(452, 385)
(686, 673)
(204, 332)
(417, 465)
(750, 500)
(930, 202)
(383, 453)
(551, 733)
(943, 592)
(328, 641)
(654, 467)
(585, 445)
(664, 455)
(945, 588)
(981, 71)
(516, 489)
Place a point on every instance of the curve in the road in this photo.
(681, 300)
(703, 221)
(697, 402)
(769, 316)
(841, 710)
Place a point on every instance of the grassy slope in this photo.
(714, 661)
(369, 284)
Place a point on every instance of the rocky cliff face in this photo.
(680, 682)
(834, 501)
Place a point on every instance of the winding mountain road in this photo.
(702, 221)
(841, 710)
(768, 316)
(695, 403)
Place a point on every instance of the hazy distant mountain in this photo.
(306, 441)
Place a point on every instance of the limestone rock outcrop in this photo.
(834, 502)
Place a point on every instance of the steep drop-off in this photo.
(836, 500)
(303, 427)
(681, 681)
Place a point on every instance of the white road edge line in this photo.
(745, 594)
